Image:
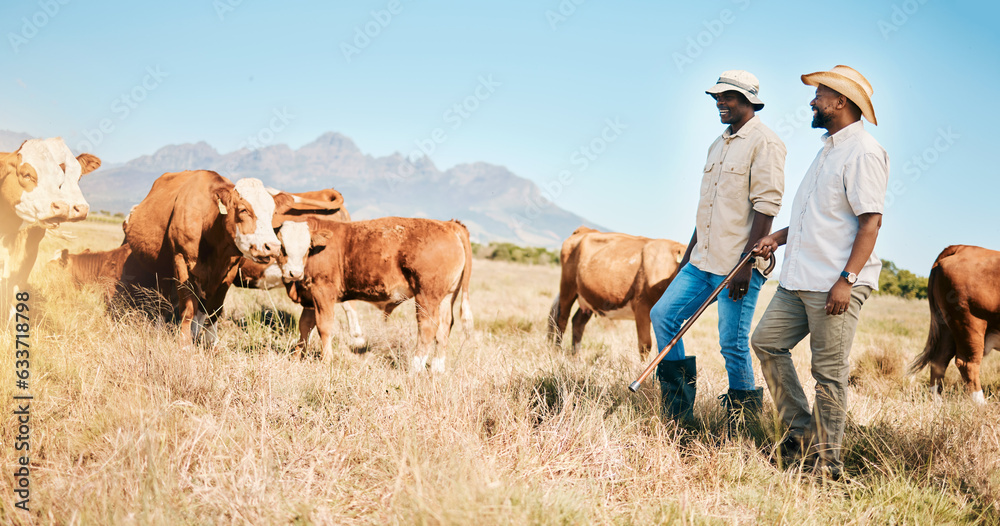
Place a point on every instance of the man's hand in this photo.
(766, 246)
(740, 283)
(839, 298)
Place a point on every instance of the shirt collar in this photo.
(844, 134)
(728, 134)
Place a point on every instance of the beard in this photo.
(821, 120)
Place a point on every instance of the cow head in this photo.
(249, 210)
(295, 245)
(41, 181)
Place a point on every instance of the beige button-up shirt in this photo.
(848, 178)
(744, 173)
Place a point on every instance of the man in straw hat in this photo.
(829, 269)
(741, 191)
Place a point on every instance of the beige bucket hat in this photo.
(741, 81)
(849, 83)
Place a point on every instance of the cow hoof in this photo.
(418, 364)
(437, 365)
(977, 397)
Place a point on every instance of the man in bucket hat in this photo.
(829, 269)
(741, 191)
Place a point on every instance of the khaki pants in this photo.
(789, 317)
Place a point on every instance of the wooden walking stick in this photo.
(634, 386)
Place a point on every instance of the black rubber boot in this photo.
(743, 408)
(678, 389)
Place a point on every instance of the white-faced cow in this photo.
(618, 276)
(963, 291)
(39, 189)
(190, 233)
(293, 232)
(387, 261)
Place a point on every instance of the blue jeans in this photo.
(689, 289)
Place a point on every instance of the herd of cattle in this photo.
(197, 233)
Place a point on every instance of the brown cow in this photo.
(295, 243)
(103, 268)
(387, 261)
(190, 233)
(963, 291)
(39, 189)
(619, 276)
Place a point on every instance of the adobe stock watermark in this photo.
(581, 158)
(916, 166)
(265, 136)
(714, 28)
(32, 25)
(122, 107)
(793, 121)
(562, 12)
(224, 7)
(455, 117)
(366, 33)
(900, 15)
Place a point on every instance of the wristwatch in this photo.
(849, 276)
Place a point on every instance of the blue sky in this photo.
(554, 77)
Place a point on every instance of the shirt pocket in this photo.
(734, 182)
(707, 180)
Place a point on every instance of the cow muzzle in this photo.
(59, 211)
(289, 275)
(265, 252)
(79, 212)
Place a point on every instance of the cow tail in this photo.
(934, 335)
(466, 306)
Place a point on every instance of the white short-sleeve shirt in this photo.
(848, 178)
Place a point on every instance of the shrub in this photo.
(895, 281)
(510, 252)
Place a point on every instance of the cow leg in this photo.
(213, 306)
(353, 326)
(307, 321)
(939, 364)
(580, 320)
(466, 306)
(325, 325)
(969, 354)
(445, 320)
(185, 300)
(642, 328)
(427, 326)
(559, 316)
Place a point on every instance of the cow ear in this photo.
(88, 163)
(282, 202)
(61, 256)
(26, 175)
(319, 238)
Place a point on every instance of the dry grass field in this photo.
(128, 429)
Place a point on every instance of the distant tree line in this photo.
(511, 252)
(895, 281)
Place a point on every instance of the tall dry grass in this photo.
(129, 429)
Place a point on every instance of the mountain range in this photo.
(495, 204)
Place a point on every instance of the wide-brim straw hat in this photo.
(849, 83)
(741, 81)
